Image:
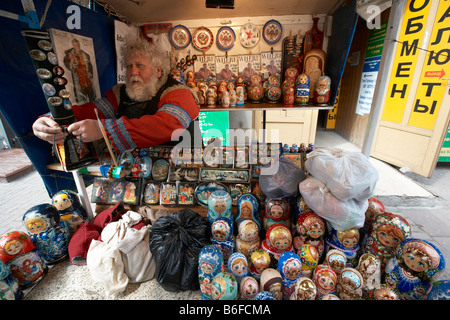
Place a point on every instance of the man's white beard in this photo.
(142, 91)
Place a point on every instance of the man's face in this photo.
(142, 78)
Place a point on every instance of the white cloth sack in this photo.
(347, 174)
(341, 215)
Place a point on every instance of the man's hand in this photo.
(45, 128)
(88, 130)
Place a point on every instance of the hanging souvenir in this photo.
(180, 37)
(202, 39)
(272, 31)
(225, 38)
(210, 264)
(313, 37)
(249, 35)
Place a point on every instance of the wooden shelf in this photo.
(266, 106)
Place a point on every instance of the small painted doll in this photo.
(375, 208)
(219, 205)
(336, 259)
(350, 283)
(381, 292)
(418, 263)
(70, 209)
(248, 239)
(19, 253)
(305, 289)
(248, 208)
(325, 280)
(310, 258)
(248, 288)
(322, 91)
(288, 95)
(48, 232)
(238, 266)
(310, 229)
(388, 231)
(224, 287)
(369, 267)
(277, 211)
(222, 236)
(9, 286)
(290, 267)
(259, 261)
(346, 241)
(302, 84)
(271, 281)
(210, 263)
(278, 240)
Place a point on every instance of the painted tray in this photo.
(225, 38)
(272, 31)
(202, 39)
(249, 35)
(203, 191)
(180, 37)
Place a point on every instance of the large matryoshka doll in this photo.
(9, 286)
(305, 289)
(346, 241)
(219, 206)
(247, 240)
(418, 263)
(259, 261)
(278, 240)
(48, 232)
(248, 208)
(222, 236)
(210, 264)
(19, 253)
(350, 284)
(325, 280)
(277, 211)
(70, 209)
(238, 266)
(224, 287)
(290, 268)
(388, 231)
(310, 229)
(272, 282)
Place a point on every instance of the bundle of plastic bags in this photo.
(339, 186)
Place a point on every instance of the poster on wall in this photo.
(270, 64)
(249, 65)
(205, 67)
(122, 33)
(76, 55)
(227, 68)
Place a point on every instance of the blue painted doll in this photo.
(70, 209)
(219, 205)
(248, 209)
(238, 266)
(290, 268)
(210, 263)
(223, 237)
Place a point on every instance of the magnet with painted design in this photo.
(168, 194)
(37, 55)
(60, 81)
(58, 71)
(55, 101)
(160, 170)
(43, 73)
(151, 193)
(64, 93)
(48, 89)
(51, 56)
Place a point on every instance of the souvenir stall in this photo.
(259, 220)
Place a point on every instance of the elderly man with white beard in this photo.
(150, 109)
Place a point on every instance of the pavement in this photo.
(424, 202)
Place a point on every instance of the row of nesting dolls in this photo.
(385, 238)
(25, 256)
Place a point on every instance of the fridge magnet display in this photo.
(272, 31)
(185, 192)
(225, 38)
(160, 170)
(151, 193)
(168, 194)
(180, 37)
(204, 190)
(249, 35)
(100, 190)
(202, 39)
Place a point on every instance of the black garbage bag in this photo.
(175, 243)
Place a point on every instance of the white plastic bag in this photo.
(341, 215)
(347, 174)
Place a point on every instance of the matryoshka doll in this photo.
(70, 209)
(271, 281)
(336, 259)
(322, 90)
(439, 291)
(310, 258)
(278, 240)
(302, 89)
(325, 280)
(290, 267)
(375, 208)
(288, 95)
(350, 283)
(248, 240)
(210, 264)
(249, 288)
(346, 241)
(224, 287)
(388, 231)
(238, 266)
(381, 292)
(255, 91)
(48, 232)
(9, 287)
(222, 236)
(247, 206)
(417, 265)
(19, 253)
(369, 268)
(310, 229)
(259, 261)
(305, 289)
(219, 206)
(277, 211)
